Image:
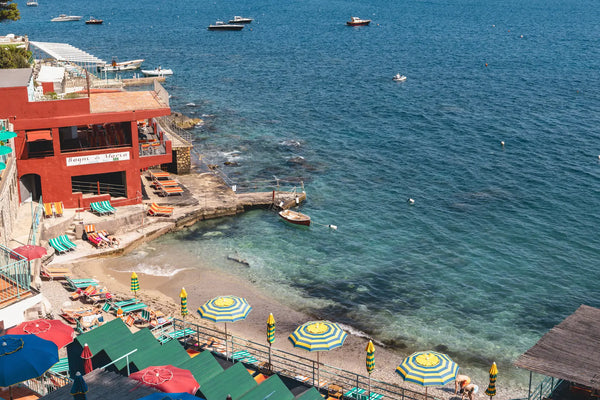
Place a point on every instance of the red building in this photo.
(87, 147)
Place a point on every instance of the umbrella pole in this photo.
(425, 392)
(226, 356)
(10, 392)
(369, 385)
(271, 368)
(318, 368)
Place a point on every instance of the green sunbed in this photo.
(81, 283)
(57, 245)
(133, 307)
(64, 239)
(61, 367)
(98, 209)
(181, 333)
(107, 206)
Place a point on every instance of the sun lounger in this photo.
(102, 207)
(133, 307)
(159, 175)
(48, 210)
(65, 241)
(58, 208)
(58, 246)
(245, 357)
(61, 367)
(95, 295)
(168, 183)
(55, 272)
(90, 228)
(157, 210)
(178, 334)
(168, 191)
(75, 284)
(108, 207)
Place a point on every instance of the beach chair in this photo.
(334, 391)
(159, 175)
(58, 208)
(58, 246)
(97, 208)
(133, 307)
(55, 272)
(169, 183)
(168, 191)
(108, 207)
(157, 210)
(61, 367)
(91, 228)
(75, 284)
(48, 210)
(64, 239)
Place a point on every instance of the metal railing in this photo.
(161, 92)
(152, 149)
(292, 365)
(36, 218)
(98, 188)
(15, 278)
(545, 388)
(169, 126)
(47, 383)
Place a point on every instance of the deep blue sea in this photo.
(501, 243)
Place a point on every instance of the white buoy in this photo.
(410, 201)
(334, 227)
(502, 143)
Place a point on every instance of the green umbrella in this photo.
(183, 296)
(225, 309)
(270, 334)
(370, 361)
(135, 284)
(491, 390)
(5, 135)
(5, 150)
(2, 166)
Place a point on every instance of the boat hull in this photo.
(226, 27)
(94, 22)
(241, 21)
(154, 72)
(362, 23)
(295, 218)
(123, 66)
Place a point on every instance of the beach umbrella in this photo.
(169, 396)
(183, 296)
(29, 251)
(428, 368)
(318, 336)
(79, 388)
(5, 135)
(2, 166)
(370, 361)
(491, 390)
(135, 284)
(270, 334)
(86, 354)
(24, 357)
(167, 378)
(53, 330)
(5, 150)
(225, 309)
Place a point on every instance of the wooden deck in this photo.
(8, 292)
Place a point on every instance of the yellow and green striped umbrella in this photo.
(318, 336)
(135, 284)
(270, 329)
(428, 368)
(225, 309)
(370, 357)
(183, 296)
(491, 390)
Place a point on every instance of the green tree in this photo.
(14, 57)
(9, 11)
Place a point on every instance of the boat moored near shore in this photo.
(157, 72)
(222, 26)
(66, 18)
(295, 217)
(355, 21)
(240, 20)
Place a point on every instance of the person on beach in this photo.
(460, 382)
(469, 390)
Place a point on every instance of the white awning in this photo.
(66, 52)
(51, 74)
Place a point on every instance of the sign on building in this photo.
(98, 158)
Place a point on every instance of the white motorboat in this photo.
(240, 20)
(32, 3)
(65, 18)
(121, 66)
(222, 26)
(157, 72)
(399, 78)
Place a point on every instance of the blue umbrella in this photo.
(24, 357)
(169, 396)
(79, 388)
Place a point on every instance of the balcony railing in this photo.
(152, 149)
(15, 279)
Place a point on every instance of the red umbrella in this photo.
(86, 354)
(29, 251)
(48, 329)
(168, 379)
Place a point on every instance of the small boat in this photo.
(65, 18)
(121, 66)
(94, 21)
(240, 20)
(355, 21)
(32, 3)
(222, 26)
(295, 217)
(157, 72)
(399, 78)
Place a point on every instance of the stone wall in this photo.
(182, 161)
(9, 200)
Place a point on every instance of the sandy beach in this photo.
(162, 293)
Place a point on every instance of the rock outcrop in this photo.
(183, 122)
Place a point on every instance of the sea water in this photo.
(501, 242)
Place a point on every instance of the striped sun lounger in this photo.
(167, 191)
(64, 239)
(245, 357)
(58, 246)
(61, 367)
(75, 284)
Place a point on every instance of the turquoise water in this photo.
(501, 243)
